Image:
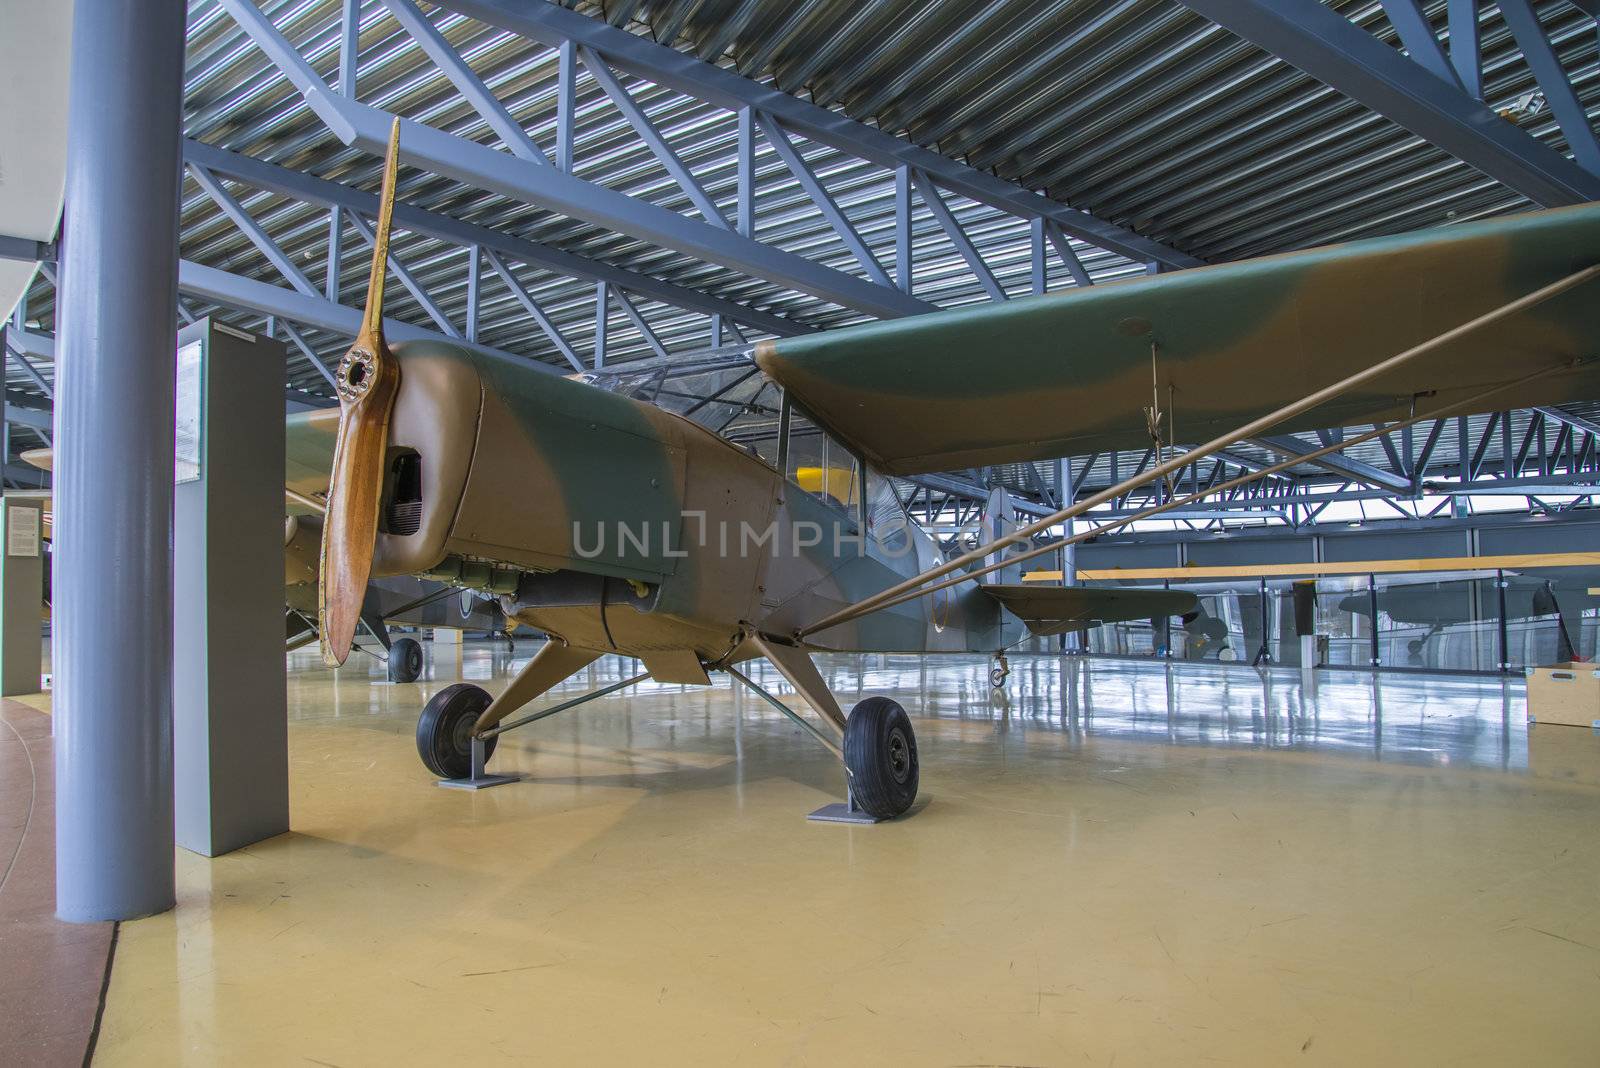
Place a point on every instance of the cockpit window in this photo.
(822, 467)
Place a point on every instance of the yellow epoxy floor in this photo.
(1121, 863)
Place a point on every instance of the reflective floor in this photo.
(1115, 862)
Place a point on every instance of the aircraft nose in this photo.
(432, 436)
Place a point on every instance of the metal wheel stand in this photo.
(844, 812)
(839, 811)
(479, 779)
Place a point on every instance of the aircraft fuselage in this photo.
(618, 526)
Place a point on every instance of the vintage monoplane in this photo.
(615, 526)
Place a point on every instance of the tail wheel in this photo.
(880, 752)
(1000, 672)
(444, 730)
(405, 660)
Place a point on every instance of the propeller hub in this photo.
(356, 374)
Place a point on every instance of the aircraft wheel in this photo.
(997, 677)
(880, 751)
(405, 660)
(444, 730)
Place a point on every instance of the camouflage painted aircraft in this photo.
(617, 527)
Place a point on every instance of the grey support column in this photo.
(113, 490)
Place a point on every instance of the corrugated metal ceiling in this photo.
(1136, 110)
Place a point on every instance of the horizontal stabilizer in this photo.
(1059, 609)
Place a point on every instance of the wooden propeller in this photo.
(368, 379)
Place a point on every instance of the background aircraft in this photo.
(399, 599)
(1442, 604)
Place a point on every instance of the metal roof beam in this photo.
(551, 24)
(1416, 33)
(1334, 50)
(306, 350)
(1571, 115)
(1343, 466)
(287, 307)
(1420, 464)
(1069, 258)
(967, 489)
(952, 229)
(1247, 463)
(566, 103)
(367, 127)
(647, 132)
(25, 249)
(407, 279)
(638, 322)
(37, 419)
(29, 343)
(32, 372)
(251, 229)
(1577, 422)
(797, 166)
(486, 168)
(467, 83)
(263, 298)
(1466, 46)
(270, 176)
(531, 306)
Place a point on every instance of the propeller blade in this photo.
(368, 380)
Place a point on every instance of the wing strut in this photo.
(911, 588)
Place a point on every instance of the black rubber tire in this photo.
(997, 677)
(405, 660)
(444, 730)
(880, 751)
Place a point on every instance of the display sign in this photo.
(22, 531)
(190, 417)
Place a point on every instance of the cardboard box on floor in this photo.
(1564, 693)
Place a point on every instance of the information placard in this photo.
(189, 422)
(22, 531)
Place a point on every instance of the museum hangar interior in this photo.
(1080, 510)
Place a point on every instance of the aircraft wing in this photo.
(1069, 373)
(308, 454)
(308, 450)
(1059, 609)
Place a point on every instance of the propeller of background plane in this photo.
(368, 381)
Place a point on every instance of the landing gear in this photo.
(405, 660)
(1000, 672)
(880, 753)
(875, 742)
(444, 730)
